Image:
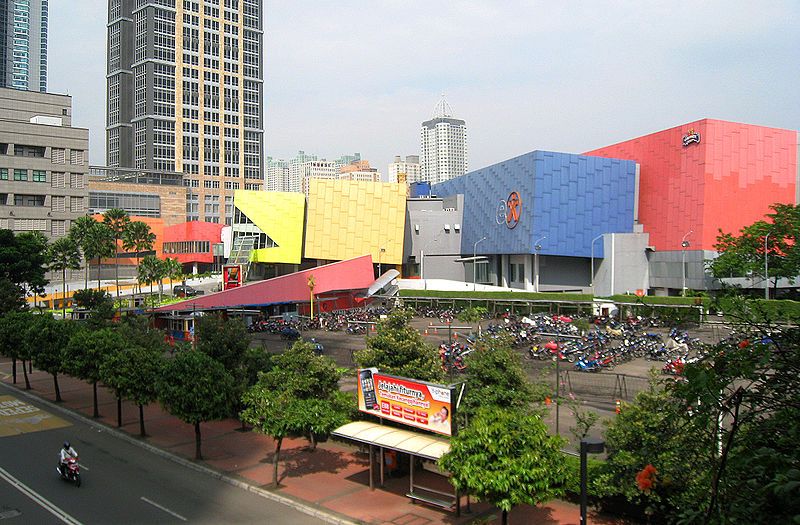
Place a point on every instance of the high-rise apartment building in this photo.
(23, 44)
(444, 146)
(404, 170)
(185, 94)
(292, 175)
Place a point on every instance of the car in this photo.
(184, 290)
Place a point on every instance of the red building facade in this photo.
(709, 175)
(192, 242)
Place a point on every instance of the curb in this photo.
(305, 509)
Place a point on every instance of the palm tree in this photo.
(80, 231)
(153, 269)
(64, 255)
(99, 242)
(138, 237)
(174, 269)
(117, 219)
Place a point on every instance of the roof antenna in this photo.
(442, 109)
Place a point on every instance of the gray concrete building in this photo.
(43, 163)
(185, 94)
(23, 44)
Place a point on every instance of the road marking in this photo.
(84, 467)
(165, 509)
(38, 498)
(19, 417)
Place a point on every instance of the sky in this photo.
(361, 76)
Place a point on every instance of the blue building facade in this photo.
(558, 201)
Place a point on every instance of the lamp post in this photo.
(474, 261)
(592, 276)
(684, 244)
(380, 260)
(536, 248)
(422, 259)
(588, 446)
(766, 268)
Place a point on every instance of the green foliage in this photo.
(97, 242)
(473, 314)
(594, 473)
(132, 374)
(223, 338)
(496, 295)
(152, 269)
(99, 303)
(195, 388)
(585, 420)
(495, 377)
(14, 328)
(50, 337)
(398, 348)
(87, 349)
(22, 267)
(506, 457)
(254, 361)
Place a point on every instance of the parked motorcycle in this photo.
(71, 471)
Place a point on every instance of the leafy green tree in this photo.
(473, 314)
(196, 388)
(298, 396)
(23, 260)
(495, 377)
(152, 269)
(79, 231)
(49, 337)
(117, 221)
(99, 303)
(398, 348)
(64, 254)
(86, 351)
(139, 238)
(255, 360)
(506, 457)
(14, 327)
(132, 374)
(223, 338)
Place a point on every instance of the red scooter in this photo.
(70, 471)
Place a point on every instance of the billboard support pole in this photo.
(371, 467)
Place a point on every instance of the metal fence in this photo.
(602, 386)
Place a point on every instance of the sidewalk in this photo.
(332, 481)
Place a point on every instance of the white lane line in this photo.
(165, 509)
(38, 498)
(84, 467)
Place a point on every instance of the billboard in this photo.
(415, 403)
(231, 276)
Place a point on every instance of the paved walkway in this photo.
(332, 481)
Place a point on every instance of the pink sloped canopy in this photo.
(352, 274)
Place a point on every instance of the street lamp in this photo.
(766, 268)
(536, 248)
(474, 260)
(422, 259)
(592, 276)
(684, 244)
(380, 259)
(588, 446)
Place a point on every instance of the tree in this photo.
(98, 243)
(79, 231)
(196, 388)
(64, 255)
(495, 377)
(86, 351)
(506, 457)
(473, 314)
(152, 269)
(49, 337)
(23, 259)
(173, 269)
(223, 338)
(138, 237)
(132, 374)
(744, 254)
(399, 349)
(14, 341)
(298, 396)
(117, 220)
(99, 303)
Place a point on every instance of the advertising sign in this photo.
(408, 401)
(231, 276)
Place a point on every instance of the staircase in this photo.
(240, 252)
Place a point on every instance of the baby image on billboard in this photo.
(408, 401)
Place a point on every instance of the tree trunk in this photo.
(85, 273)
(94, 395)
(30, 366)
(197, 453)
(138, 281)
(116, 267)
(14, 369)
(313, 439)
(58, 390)
(275, 460)
(64, 294)
(141, 421)
(505, 518)
(98, 273)
(712, 504)
(25, 373)
(119, 411)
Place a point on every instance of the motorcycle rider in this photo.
(65, 453)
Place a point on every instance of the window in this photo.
(76, 180)
(58, 203)
(30, 225)
(76, 204)
(76, 157)
(58, 180)
(28, 200)
(58, 228)
(39, 176)
(58, 155)
(20, 175)
(3, 173)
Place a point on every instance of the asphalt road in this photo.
(122, 483)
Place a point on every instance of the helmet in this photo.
(66, 445)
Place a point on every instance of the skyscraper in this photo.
(444, 146)
(23, 44)
(404, 171)
(185, 93)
